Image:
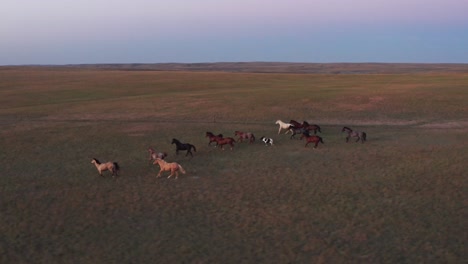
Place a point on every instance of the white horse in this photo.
(283, 125)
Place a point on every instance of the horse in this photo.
(295, 124)
(183, 146)
(113, 167)
(174, 167)
(283, 125)
(212, 137)
(267, 141)
(312, 127)
(244, 135)
(314, 139)
(153, 154)
(223, 141)
(295, 131)
(360, 135)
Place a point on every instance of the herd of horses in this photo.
(295, 128)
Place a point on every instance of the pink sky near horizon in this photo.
(35, 29)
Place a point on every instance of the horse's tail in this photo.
(181, 169)
(195, 149)
(364, 135)
(318, 129)
(321, 140)
(116, 166)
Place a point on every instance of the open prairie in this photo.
(401, 197)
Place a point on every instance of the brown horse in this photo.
(314, 139)
(224, 141)
(174, 167)
(212, 137)
(295, 124)
(311, 127)
(113, 167)
(154, 155)
(244, 135)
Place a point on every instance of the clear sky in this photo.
(154, 31)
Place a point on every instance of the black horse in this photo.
(360, 135)
(183, 146)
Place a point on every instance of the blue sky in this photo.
(153, 31)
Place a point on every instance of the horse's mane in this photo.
(345, 127)
(97, 161)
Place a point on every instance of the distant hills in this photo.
(279, 67)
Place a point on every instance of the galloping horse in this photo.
(223, 141)
(283, 125)
(310, 127)
(295, 124)
(174, 167)
(296, 131)
(111, 166)
(244, 135)
(314, 139)
(153, 154)
(360, 135)
(183, 146)
(212, 137)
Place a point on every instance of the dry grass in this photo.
(400, 197)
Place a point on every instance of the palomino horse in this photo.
(174, 167)
(312, 139)
(283, 125)
(312, 127)
(244, 135)
(212, 137)
(154, 155)
(360, 135)
(113, 167)
(183, 146)
(223, 141)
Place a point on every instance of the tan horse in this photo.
(174, 167)
(110, 166)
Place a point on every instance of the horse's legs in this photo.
(358, 138)
(189, 151)
(347, 139)
(159, 174)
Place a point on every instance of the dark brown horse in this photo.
(312, 139)
(223, 141)
(311, 127)
(212, 137)
(244, 135)
(295, 124)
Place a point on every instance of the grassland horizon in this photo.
(399, 197)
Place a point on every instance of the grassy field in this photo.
(399, 198)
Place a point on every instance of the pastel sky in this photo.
(154, 31)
